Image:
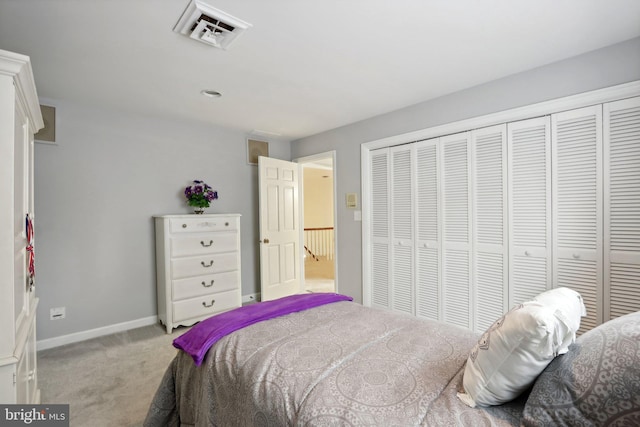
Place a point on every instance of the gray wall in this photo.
(595, 70)
(110, 172)
(95, 194)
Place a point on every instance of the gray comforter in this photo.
(338, 364)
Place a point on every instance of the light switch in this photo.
(352, 200)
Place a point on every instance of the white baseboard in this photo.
(95, 333)
(112, 329)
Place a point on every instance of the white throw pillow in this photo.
(569, 308)
(518, 346)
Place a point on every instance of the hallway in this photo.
(319, 274)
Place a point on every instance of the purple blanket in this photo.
(199, 339)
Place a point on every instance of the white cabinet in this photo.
(198, 267)
(20, 118)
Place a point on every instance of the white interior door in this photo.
(279, 228)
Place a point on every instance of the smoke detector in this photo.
(209, 25)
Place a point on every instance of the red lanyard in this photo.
(30, 249)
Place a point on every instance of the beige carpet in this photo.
(319, 275)
(107, 381)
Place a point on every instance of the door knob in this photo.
(264, 241)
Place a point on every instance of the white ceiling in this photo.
(305, 66)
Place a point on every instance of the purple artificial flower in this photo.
(200, 194)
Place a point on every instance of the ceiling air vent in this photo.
(210, 25)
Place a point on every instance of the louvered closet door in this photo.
(427, 209)
(529, 182)
(576, 141)
(380, 233)
(402, 298)
(456, 231)
(622, 207)
(489, 148)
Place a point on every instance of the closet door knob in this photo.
(576, 256)
(527, 253)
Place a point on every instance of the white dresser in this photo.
(198, 267)
(20, 118)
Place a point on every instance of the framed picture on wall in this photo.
(256, 148)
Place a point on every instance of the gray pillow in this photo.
(596, 383)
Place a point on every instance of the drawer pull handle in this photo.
(184, 225)
(205, 265)
(226, 224)
(209, 285)
(204, 304)
(205, 245)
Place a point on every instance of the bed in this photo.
(341, 363)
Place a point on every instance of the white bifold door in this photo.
(529, 181)
(423, 228)
(621, 207)
(457, 306)
(577, 207)
(489, 224)
(465, 226)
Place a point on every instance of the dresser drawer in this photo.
(186, 245)
(204, 305)
(202, 285)
(195, 224)
(203, 265)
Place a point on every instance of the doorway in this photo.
(318, 212)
